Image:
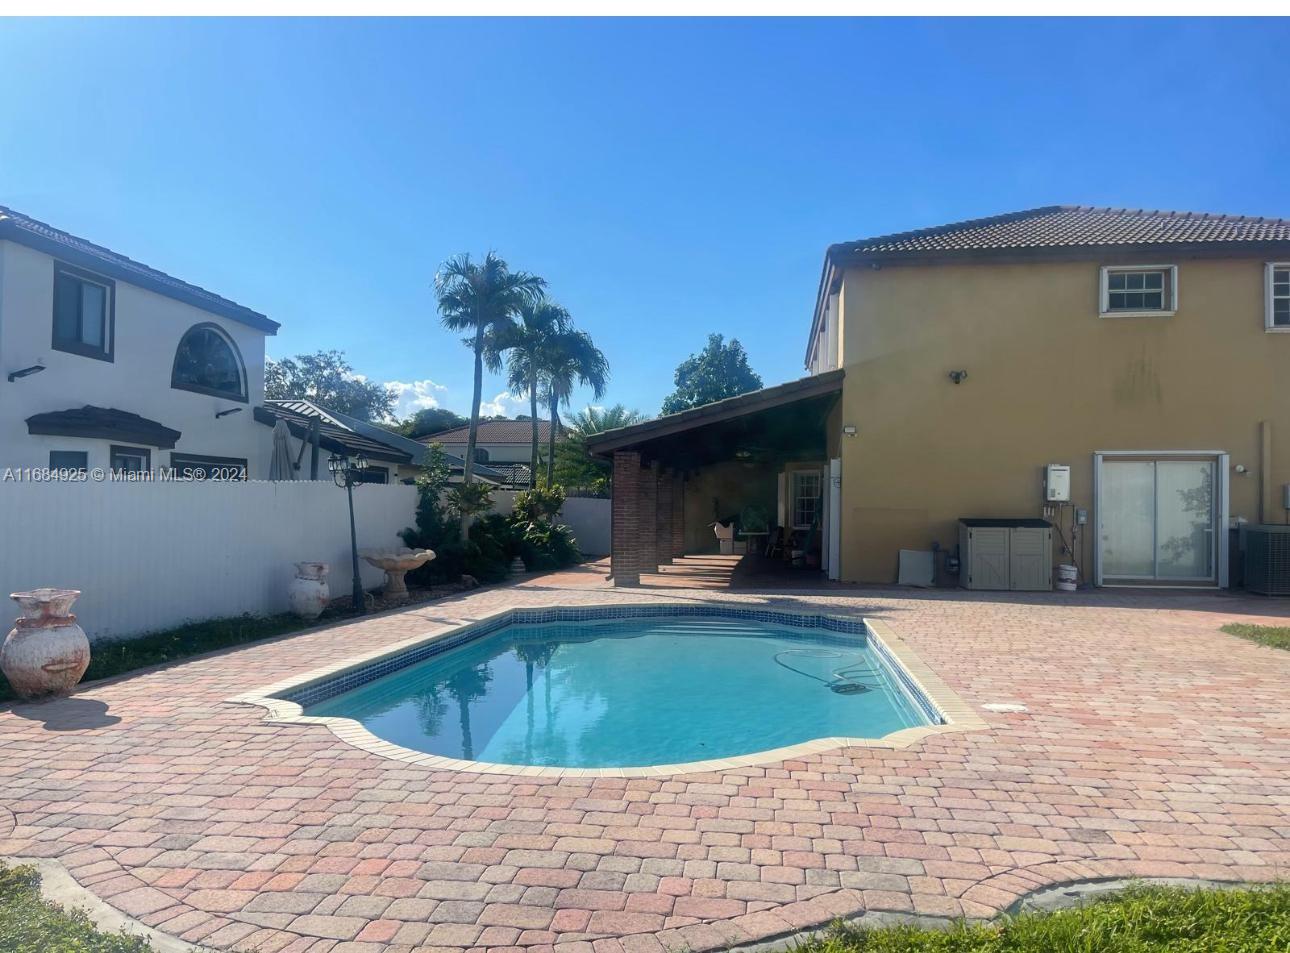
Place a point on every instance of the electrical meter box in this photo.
(1057, 483)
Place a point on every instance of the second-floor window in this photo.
(207, 362)
(83, 309)
(1142, 289)
(1279, 296)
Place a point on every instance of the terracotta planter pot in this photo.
(307, 594)
(47, 652)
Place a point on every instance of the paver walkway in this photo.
(1154, 746)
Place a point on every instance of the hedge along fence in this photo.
(150, 556)
(587, 517)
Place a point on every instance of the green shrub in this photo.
(538, 505)
(31, 924)
(1140, 919)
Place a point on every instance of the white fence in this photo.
(150, 556)
(588, 517)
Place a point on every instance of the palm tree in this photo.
(481, 298)
(572, 359)
(541, 320)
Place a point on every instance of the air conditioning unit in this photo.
(1267, 560)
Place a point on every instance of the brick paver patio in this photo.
(1154, 746)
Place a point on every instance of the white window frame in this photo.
(1223, 462)
(1268, 269)
(1104, 292)
(794, 485)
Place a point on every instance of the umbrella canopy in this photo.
(280, 467)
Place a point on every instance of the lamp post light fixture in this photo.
(347, 471)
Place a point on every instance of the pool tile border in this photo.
(285, 700)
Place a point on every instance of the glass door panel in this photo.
(1128, 518)
(1185, 519)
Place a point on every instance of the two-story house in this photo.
(109, 364)
(1146, 351)
(503, 445)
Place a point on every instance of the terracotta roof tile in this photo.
(494, 431)
(1069, 226)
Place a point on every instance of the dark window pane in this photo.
(1154, 279)
(68, 459)
(129, 461)
(1281, 311)
(207, 361)
(1152, 301)
(1134, 280)
(67, 301)
(1115, 281)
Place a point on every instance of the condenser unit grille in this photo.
(1267, 560)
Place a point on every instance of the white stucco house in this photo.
(504, 445)
(110, 364)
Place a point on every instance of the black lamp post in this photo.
(346, 471)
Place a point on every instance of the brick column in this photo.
(664, 520)
(625, 509)
(649, 519)
(678, 515)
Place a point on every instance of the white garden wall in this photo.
(588, 517)
(150, 556)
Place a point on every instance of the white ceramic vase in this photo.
(47, 652)
(307, 593)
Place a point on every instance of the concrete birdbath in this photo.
(397, 563)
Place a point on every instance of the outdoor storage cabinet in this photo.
(1006, 554)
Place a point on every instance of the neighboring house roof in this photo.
(494, 431)
(1056, 231)
(1074, 226)
(342, 433)
(64, 246)
(104, 423)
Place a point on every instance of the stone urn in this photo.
(47, 652)
(397, 563)
(307, 594)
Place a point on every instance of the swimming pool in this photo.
(562, 689)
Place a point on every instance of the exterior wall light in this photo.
(25, 372)
(958, 377)
(346, 472)
(849, 430)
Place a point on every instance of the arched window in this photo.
(481, 455)
(208, 362)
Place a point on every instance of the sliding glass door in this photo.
(1158, 520)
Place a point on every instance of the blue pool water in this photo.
(632, 692)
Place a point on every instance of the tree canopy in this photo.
(574, 465)
(719, 371)
(326, 378)
(431, 420)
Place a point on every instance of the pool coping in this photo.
(957, 715)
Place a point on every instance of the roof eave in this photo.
(606, 442)
(12, 231)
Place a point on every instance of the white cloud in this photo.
(504, 404)
(414, 396)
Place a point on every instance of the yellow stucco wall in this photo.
(1049, 381)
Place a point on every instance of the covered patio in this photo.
(764, 462)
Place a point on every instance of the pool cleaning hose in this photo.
(844, 679)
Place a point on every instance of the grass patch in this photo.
(114, 658)
(31, 924)
(1273, 636)
(1141, 919)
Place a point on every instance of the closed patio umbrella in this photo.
(280, 467)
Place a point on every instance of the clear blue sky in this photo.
(667, 178)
